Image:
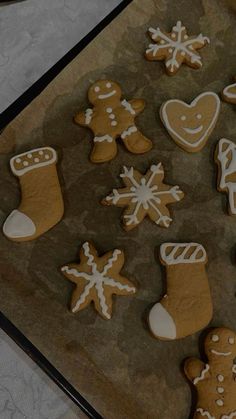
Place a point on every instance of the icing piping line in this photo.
(128, 107)
(110, 261)
(202, 376)
(106, 137)
(227, 93)
(205, 413)
(88, 116)
(230, 416)
(171, 260)
(128, 132)
(20, 172)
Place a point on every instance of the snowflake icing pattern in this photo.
(95, 281)
(144, 195)
(175, 48)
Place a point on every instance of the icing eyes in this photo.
(215, 338)
(231, 341)
(199, 116)
(97, 89)
(108, 85)
(183, 118)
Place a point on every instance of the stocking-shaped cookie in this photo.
(215, 381)
(187, 306)
(229, 93)
(111, 118)
(41, 204)
(225, 157)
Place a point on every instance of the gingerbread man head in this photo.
(220, 344)
(104, 91)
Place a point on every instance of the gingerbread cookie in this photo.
(215, 381)
(41, 204)
(175, 48)
(187, 306)
(144, 195)
(229, 93)
(225, 157)
(97, 279)
(111, 118)
(191, 125)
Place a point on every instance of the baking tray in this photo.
(116, 365)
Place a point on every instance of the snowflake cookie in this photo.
(215, 381)
(96, 279)
(144, 195)
(175, 48)
(110, 118)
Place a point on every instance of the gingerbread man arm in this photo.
(137, 104)
(195, 370)
(84, 118)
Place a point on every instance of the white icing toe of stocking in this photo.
(161, 323)
(18, 225)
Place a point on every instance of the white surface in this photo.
(36, 34)
(25, 391)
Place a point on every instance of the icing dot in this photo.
(41, 152)
(108, 85)
(29, 156)
(220, 390)
(109, 110)
(173, 35)
(36, 160)
(162, 41)
(231, 341)
(170, 50)
(185, 36)
(220, 378)
(18, 160)
(199, 116)
(215, 338)
(219, 402)
(25, 163)
(183, 118)
(47, 157)
(182, 53)
(112, 116)
(113, 123)
(97, 89)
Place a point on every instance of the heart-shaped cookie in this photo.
(191, 125)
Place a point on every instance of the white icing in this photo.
(230, 416)
(106, 137)
(193, 131)
(128, 132)
(219, 402)
(114, 123)
(234, 368)
(176, 45)
(25, 163)
(97, 279)
(109, 110)
(199, 116)
(220, 353)
(20, 172)
(227, 93)
(144, 194)
(97, 89)
(18, 225)
(88, 116)
(183, 118)
(112, 116)
(228, 167)
(29, 156)
(174, 258)
(107, 95)
(215, 338)
(220, 378)
(231, 341)
(161, 323)
(128, 107)
(205, 413)
(202, 376)
(170, 128)
(220, 390)
(108, 85)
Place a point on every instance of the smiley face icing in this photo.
(111, 118)
(229, 93)
(215, 381)
(191, 125)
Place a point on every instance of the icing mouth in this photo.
(220, 353)
(193, 130)
(107, 95)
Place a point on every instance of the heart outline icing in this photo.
(209, 101)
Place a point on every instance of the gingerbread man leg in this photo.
(104, 149)
(135, 141)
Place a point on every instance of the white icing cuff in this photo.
(18, 225)
(33, 159)
(176, 253)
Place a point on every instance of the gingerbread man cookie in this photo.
(111, 118)
(229, 93)
(175, 48)
(225, 157)
(96, 279)
(144, 195)
(191, 125)
(215, 381)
